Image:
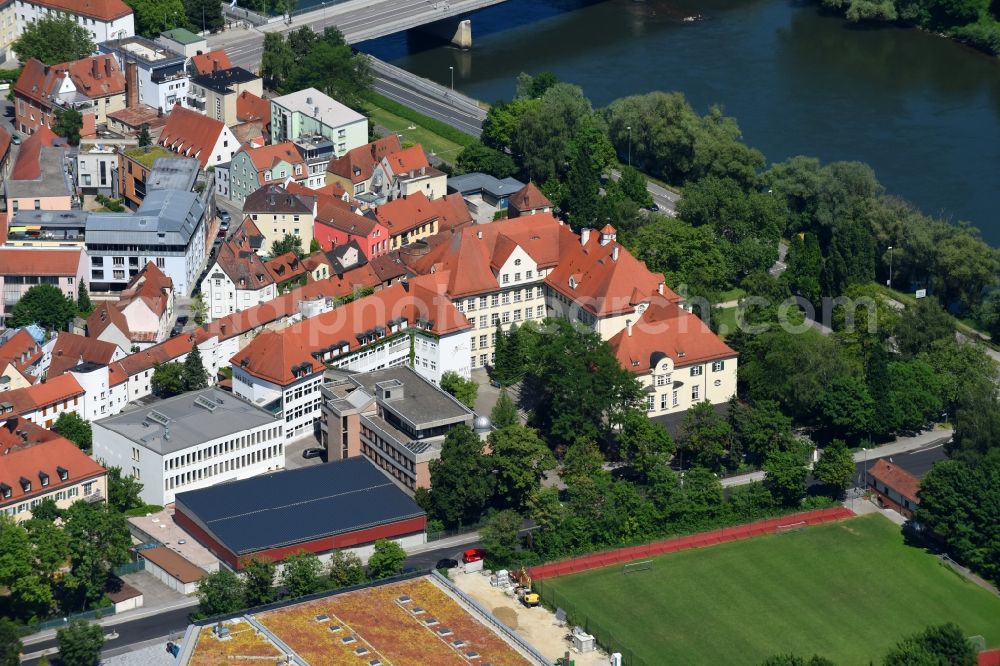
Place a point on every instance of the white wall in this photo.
(113, 450)
(100, 31)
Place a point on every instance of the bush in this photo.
(985, 37)
(143, 510)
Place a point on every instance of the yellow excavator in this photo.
(524, 593)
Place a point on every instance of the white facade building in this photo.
(191, 441)
(111, 19)
(309, 113)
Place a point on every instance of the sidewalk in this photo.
(900, 445)
(118, 618)
(447, 542)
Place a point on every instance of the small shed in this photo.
(894, 487)
(173, 570)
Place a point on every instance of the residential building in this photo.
(97, 166)
(105, 385)
(94, 86)
(485, 195)
(316, 151)
(8, 29)
(339, 223)
(677, 359)
(407, 172)
(252, 168)
(20, 359)
(168, 229)
(21, 268)
(131, 120)
(193, 440)
(104, 19)
(286, 268)
(408, 219)
(190, 134)
(215, 93)
(142, 316)
(143, 170)
(894, 487)
(43, 403)
(238, 279)
(354, 169)
(39, 179)
(155, 74)
(309, 113)
(317, 509)
(46, 229)
(36, 465)
(277, 213)
(395, 418)
(407, 323)
(210, 62)
(182, 41)
(528, 200)
(68, 350)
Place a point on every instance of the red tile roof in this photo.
(4, 142)
(252, 107)
(104, 315)
(41, 395)
(528, 197)
(165, 352)
(604, 279)
(213, 61)
(240, 262)
(96, 76)
(405, 213)
(667, 329)
(152, 286)
(191, 134)
(896, 478)
(273, 357)
(408, 159)
(19, 431)
(137, 116)
(284, 267)
(388, 266)
(357, 165)
(21, 351)
(341, 215)
(265, 157)
(46, 460)
(70, 350)
(39, 261)
(28, 165)
(102, 10)
(453, 212)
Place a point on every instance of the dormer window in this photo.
(25, 484)
(43, 478)
(572, 282)
(63, 473)
(5, 490)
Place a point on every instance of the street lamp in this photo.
(629, 128)
(889, 281)
(452, 68)
(864, 470)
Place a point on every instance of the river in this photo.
(922, 110)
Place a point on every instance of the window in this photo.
(505, 318)
(119, 275)
(506, 278)
(663, 401)
(650, 403)
(517, 277)
(118, 261)
(696, 371)
(674, 399)
(495, 300)
(528, 275)
(717, 366)
(135, 453)
(695, 393)
(482, 321)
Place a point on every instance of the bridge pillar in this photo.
(455, 30)
(463, 34)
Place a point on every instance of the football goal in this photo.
(633, 567)
(791, 527)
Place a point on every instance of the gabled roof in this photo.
(285, 267)
(601, 275)
(18, 432)
(452, 211)
(265, 157)
(408, 159)
(239, 260)
(252, 107)
(71, 350)
(24, 261)
(191, 134)
(28, 165)
(340, 256)
(96, 76)
(152, 286)
(4, 142)
(278, 357)
(666, 329)
(274, 198)
(357, 165)
(213, 61)
(102, 10)
(48, 460)
(165, 352)
(896, 478)
(41, 395)
(38, 81)
(406, 213)
(21, 351)
(341, 215)
(389, 267)
(106, 314)
(528, 197)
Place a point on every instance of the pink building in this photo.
(21, 268)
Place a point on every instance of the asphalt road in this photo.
(917, 462)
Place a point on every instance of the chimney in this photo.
(95, 69)
(479, 234)
(423, 171)
(405, 283)
(222, 328)
(659, 288)
(107, 67)
(584, 236)
(614, 253)
(132, 85)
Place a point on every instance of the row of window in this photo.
(507, 317)
(505, 298)
(220, 449)
(223, 466)
(396, 473)
(69, 493)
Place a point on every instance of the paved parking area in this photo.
(294, 449)
(154, 593)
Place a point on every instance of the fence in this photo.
(131, 567)
(700, 540)
(60, 622)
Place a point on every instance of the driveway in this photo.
(294, 449)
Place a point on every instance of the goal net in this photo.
(791, 527)
(633, 567)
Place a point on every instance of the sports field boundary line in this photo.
(677, 544)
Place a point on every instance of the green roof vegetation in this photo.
(182, 36)
(146, 156)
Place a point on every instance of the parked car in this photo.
(15, 139)
(312, 453)
(654, 207)
(446, 563)
(225, 216)
(473, 555)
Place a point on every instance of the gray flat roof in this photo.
(61, 219)
(483, 182)
(189, 423)
(424, 405)
(52, 181)
(299, 505)
(174, 214)
(173, 173)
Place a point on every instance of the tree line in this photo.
(935, 645)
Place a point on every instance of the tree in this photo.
(302, 574)
(785, 477)
(464, 390)
(54, 40)
(45, 305)
(500, 536)
(846, 409)
(942, 644)
(153, 17)
(634, 186)
(195, 375)
(83, 303)
(220, 593)
(644, 444)
(289, 243)
(795, 660)
(47, 510)
(76, 429)
(277, 60)
(477, 158)
(704, 436)
(504, 413)
(583, 197)
(386, 560)
(914, 395)
(124, 491)
(977, 425)
(10, 643)
(921, 325)
(168, 379)
(690, 257)
(99, 541)
(68, 123)
(258, 582)
(16, 566)
(962, 368)
(835, 467)
(345, 569)
(80, 643)
(519, 459)
(204, 15)
(51, 548)
(198, 310)
(508, 367)
(758, 429)
(145, 140)
(314, 246)
(461, 479)
(583, 460)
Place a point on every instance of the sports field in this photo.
(847, 591)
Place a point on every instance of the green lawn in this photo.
(442, 146)
(847, 591)
(727, 321)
